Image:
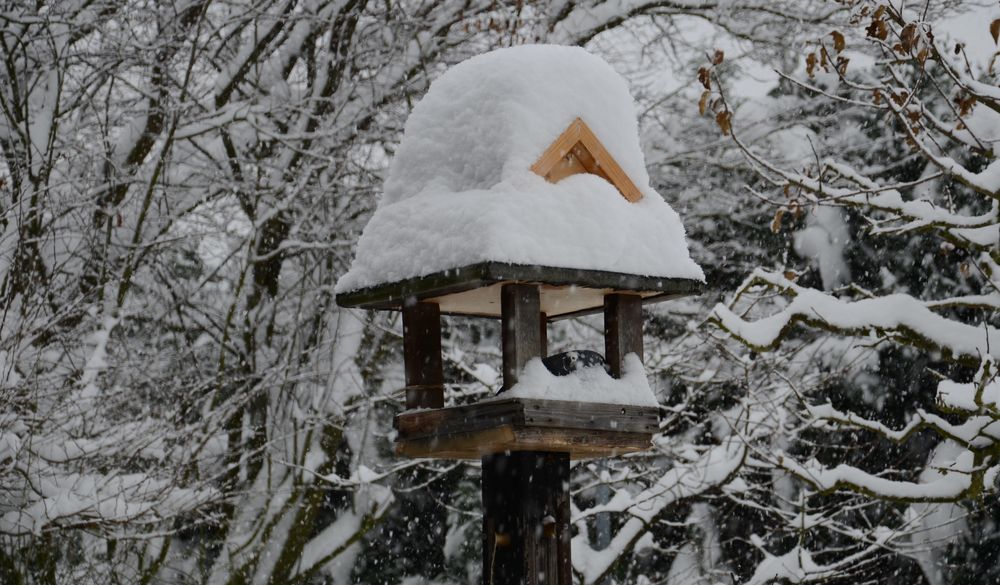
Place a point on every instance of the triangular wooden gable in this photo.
(577, 150)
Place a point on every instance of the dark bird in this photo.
(567, 362)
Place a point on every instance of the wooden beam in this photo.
(622, 330)
(583, 429)
(577, 443)
(520, 332)
(527, 412)
(578, 150)
(422, 355)
(526, 514)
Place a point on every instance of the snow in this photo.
(709, 470)
(823, 241)
(939, 524)
(794, 566)
(489, 118)
(891, 312)
(963, 396)
(951, 484)
(461, 191)
(588, 384)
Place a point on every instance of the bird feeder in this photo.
(519, 193)
(525, 297)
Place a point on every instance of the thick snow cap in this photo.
(461, 191)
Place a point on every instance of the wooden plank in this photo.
(528, 412)
(458, 280)
(519, 330)
(570, 164)
(590, 415)
(422, 355)
(608, 164)
(555, 301)
(577, 150)
(559, 148)
(622, 330)
(458, 445)
(458, 419)
(580, 444)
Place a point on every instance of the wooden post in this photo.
(526, 531)
(521, 335)
(543, 334)
(622, 330)
(526, 534)
(422, 355)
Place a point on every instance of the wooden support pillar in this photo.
(526, 531)
(520, 332)
(622, 330)
(543, 334)
(422, 355)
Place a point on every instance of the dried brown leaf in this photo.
(718, 57)
(883, 30)
(908, 37)
(776, 222)
(922, 55)
(842, 65)
(705, 77)
(811, 64)
(995, 30)
(965, 105)
(872, 29)
(703, 102)
(724, 120)
(838, 41)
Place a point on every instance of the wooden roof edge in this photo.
(579, 132)
(392, 295)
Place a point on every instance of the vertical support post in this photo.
(622, 330)
(520, 334)
(543, 334)
(422, 355)
(526, 531)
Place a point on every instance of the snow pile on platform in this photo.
(587, 384)
(461, 191)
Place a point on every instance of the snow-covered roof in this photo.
(461, 191)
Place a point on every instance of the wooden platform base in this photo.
(583, 429)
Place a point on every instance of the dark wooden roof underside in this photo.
(393, 295)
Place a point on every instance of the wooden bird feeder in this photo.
(525, 298)
(525, 444)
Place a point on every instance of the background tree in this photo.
(182, 401)
(892, 204)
